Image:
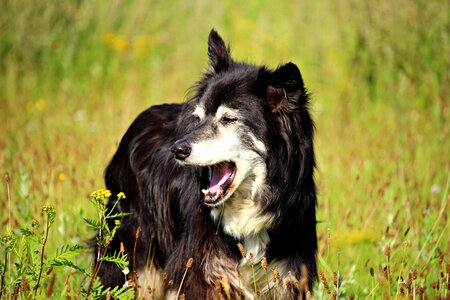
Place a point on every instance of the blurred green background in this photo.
(74, 74)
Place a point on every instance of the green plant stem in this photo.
(254, 281)
(268, 286)
(47, 226)
(98, 262)
(3, 275)
(95, 271)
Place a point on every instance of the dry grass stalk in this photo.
(189, 263)
(264, 264)
(67, 284)
(16, 292)
(51, 286)
(325, 282)
(251, 259)
(335, 279)
(24, 284)
(275, 276)
(304, 279)
(226, 286)
(294, 280)
(242, 250)
(188, 266)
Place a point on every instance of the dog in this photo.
(220, 188)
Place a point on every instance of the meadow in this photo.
(74, 74)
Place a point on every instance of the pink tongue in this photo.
(220, 175)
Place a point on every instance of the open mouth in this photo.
(221, 177)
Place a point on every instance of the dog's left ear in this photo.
(284, 87)
(219, 53)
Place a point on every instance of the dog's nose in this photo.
(181, 149)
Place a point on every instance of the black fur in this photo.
(164, 197)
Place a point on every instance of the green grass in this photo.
(74, 74)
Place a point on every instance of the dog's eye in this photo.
(196, 118)
(227, 120)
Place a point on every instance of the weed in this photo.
(75, 73)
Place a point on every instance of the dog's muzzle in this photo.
(181, 149)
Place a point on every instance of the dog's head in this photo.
(232, 121)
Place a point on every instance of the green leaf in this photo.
(63, 256)
(92, 223)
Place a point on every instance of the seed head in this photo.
(189, 263)
(170, 285)
(335, 279)
(138, 232)
(387, 251)
(264, 264)
(275, 276)
(294, 280)
(242, 249)
(304, 279)
(251, 259)
(325, 282)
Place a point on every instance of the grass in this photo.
(74, 74)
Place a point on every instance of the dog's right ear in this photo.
(282, 88)
(219, 53)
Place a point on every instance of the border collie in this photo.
(224, 181)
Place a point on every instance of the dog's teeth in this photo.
(205, 192)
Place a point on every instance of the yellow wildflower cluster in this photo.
(8, 241)
(50, 212)
(139, 45)
(61, 176)
(121, 195)
(116, 42)
(48, 209)
(34, 223)
(39, 105)
(101, 193)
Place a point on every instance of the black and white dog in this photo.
(232, 165)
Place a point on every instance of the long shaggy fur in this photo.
(165, 199)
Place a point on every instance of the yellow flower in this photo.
(116, 42)
(119, 44)
(101, 193)
(34, 223)
(61, 176)
(40, 104)
(356, 236)
(142, 45)
(106, 193)
(121, 195)
(47, 208)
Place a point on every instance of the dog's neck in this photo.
(241, 217)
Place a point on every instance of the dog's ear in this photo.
(219, 53)
(284, 87)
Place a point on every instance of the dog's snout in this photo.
(181, 149)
